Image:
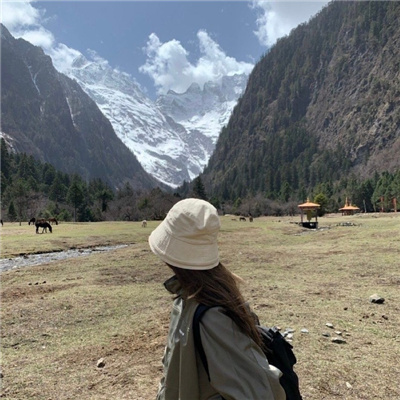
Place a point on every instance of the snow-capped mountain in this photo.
(174, 137)
(207, 110)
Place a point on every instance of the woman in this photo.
(187, 242)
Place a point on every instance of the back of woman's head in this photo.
(216, 286)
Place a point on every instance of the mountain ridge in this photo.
(46, 114)
(321, 105)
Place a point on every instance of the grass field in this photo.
(59, 319)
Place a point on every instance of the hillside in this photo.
(46, 114)
(320, 106)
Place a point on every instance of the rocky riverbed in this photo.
(44, 258)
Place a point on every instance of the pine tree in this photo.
(199, 190)
(75, 195)
(12, 214)
(58, 191)
(20, 193)
(5, 160)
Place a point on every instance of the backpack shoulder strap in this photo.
(200, 310)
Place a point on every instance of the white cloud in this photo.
(24, 21)
(19, 14)
(97, 58)
(276, 19)
(168, 65)
(38, 37)
(63, 56)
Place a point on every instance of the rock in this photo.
(375, 298)
(304, 330)
(326, 334)
(348, 385)
(338, 340)
(287, 332)
(329, 325)
(101, 363)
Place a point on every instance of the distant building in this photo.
(348, 209)
(311, 212)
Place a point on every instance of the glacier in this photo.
(172, 137)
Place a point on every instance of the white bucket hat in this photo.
(187, 237)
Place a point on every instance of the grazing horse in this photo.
(32, 220)
(242, 219)
(144, 223)
(1, 221)
(45, 225)
(53, 220)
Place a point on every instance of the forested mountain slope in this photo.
(322, 105)
(47, 115)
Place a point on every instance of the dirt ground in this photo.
(60, 319)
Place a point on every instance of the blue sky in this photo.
(162, 44)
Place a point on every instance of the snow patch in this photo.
(172, 138)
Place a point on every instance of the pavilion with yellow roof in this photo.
(311, 211)
(348, 209)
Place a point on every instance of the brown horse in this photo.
(45, 225)
(52, 220)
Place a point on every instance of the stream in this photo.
(28, 260)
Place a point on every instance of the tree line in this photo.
(30, 188)
(381, 193)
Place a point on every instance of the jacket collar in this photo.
(173, 286)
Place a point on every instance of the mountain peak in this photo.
(174, 137)
(80, 62)
(194, 88)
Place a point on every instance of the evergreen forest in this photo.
(31, 188)
(320, 115)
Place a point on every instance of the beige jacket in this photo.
(238, 368)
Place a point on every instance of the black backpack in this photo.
(277, 350)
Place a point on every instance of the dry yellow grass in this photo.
(58, 319)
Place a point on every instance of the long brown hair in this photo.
(218, 287)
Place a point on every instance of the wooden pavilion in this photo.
(311, 211)
(348, 209)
